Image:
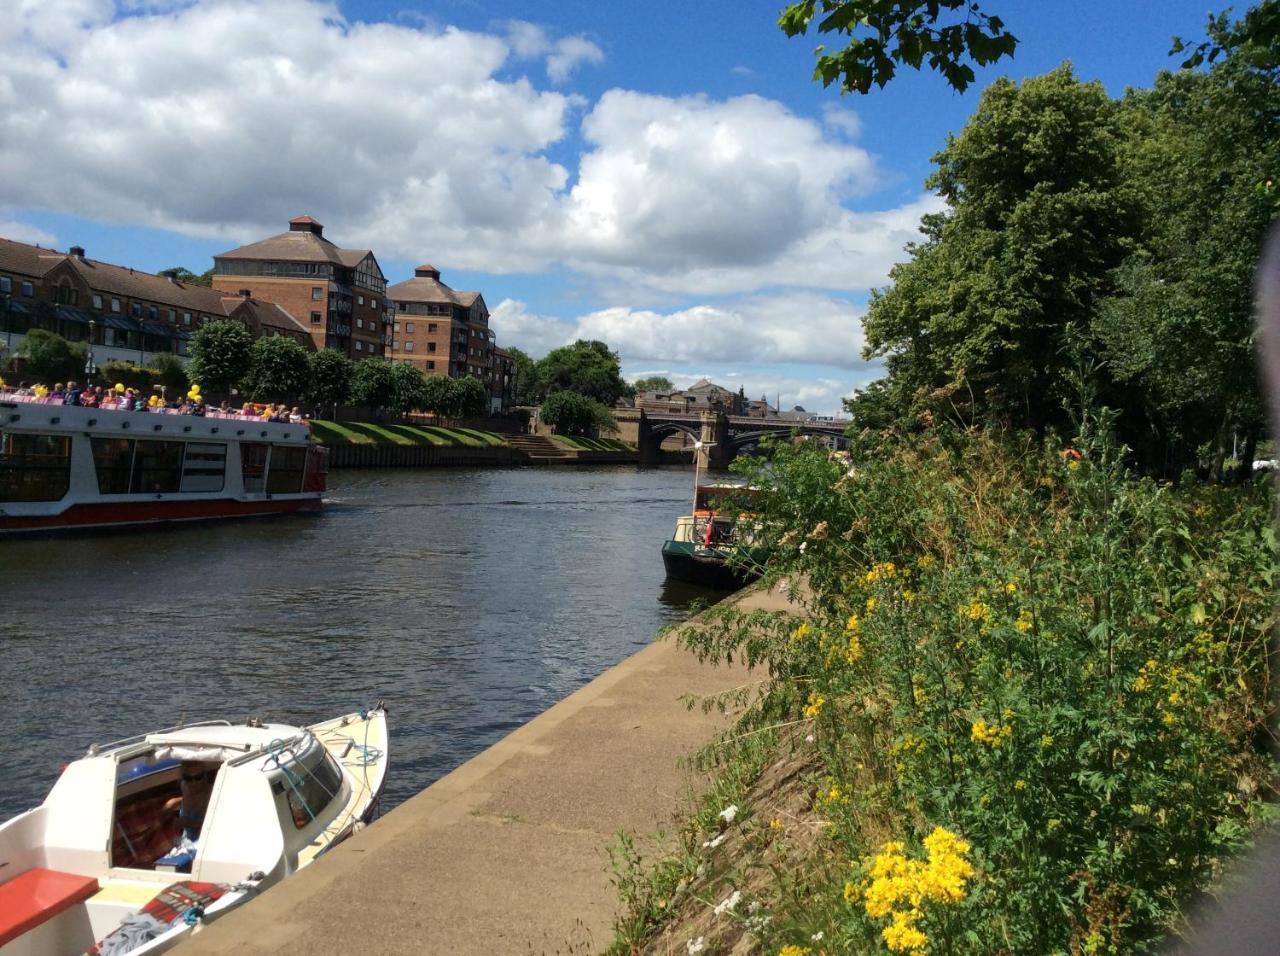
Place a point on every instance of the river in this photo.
(470, 600)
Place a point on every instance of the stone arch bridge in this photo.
(724, 437)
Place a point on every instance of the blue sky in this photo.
(666, 177)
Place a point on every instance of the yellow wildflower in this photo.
(898, 887)
(902, 935)
(814, 707)
(908, 595)
(925, 561)
(976, 610)
(1169, 719)
(775, 824)
(853, 653)
(1046, 741)
(1019, 785)
(992, 734)
(871, 604)
(791, 949)
(1047, 481)
(851, 892)
(1073, 466)
(1011, 587)
(1175, 698)
(853, 624)
(1024, 622)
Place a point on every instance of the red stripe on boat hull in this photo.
(117, 514)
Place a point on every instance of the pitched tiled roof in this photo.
(424, 289)
(28, 260)
(130, 283)
(292, 246)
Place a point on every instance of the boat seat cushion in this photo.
(144, 831)
(38, 895)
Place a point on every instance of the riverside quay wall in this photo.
(509, 852)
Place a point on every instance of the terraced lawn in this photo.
(592, 444)
(366, 433)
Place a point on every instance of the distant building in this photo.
(136, 315)
(443, 331)
(340, 295)
(701, 396)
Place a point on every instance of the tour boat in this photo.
(713, 547)
(104, 865)
(66, 467)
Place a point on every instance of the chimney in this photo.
(246, 294)
(77, 251)
(427, 272)
(305, 224)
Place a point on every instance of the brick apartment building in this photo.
(446, 332)
(339, 295)
(135, 315)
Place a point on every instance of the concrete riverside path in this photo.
(508, 853)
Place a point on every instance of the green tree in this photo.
(220, 356)
(587, 367)
(408, 392)
(884, 33)
(330, 377)
(572, 413)
(437, 392)
(49, 358)
(279, 370)
(654, 383)
(469, 399)
(171, 373)
(988, 311)
(372, 383)
(526, 374)
(185, 275)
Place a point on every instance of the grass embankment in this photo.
(364, 433)
(1023, 711)
(592, 444)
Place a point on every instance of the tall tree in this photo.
(279, 370)
(331, 373)
(408, 389)
(220, 355)
(992, 302)
(572, 413)
(49, 358)
(654, 383)
(372, 383)
(468, 398)
(587, 367)
(526, 375)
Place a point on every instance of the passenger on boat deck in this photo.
(295, 416)
(59, 392)
(72, 394)
(197, 777)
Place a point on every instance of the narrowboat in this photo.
(713, 546)
(66, 467)
(142, 841)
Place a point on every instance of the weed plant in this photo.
(1038, 686)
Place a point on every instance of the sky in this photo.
(665, 177)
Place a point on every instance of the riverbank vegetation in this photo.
(367, 433)
(1024, 702)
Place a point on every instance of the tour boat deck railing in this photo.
(9, 396)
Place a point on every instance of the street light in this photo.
(698, 445)
(90, 368)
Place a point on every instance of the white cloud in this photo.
(515, 325)
(227, 117)
(25, 232)
(530, 41)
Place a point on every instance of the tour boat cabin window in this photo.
(34, 467)
(157, 467)
(6, 284)
(253, 466)
(204, 467)
(284, 477)
(28, 290)
(113, 461)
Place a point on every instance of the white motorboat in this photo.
(143, 840)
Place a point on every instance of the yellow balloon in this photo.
(41, 391)
(120, 388)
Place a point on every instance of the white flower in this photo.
(729, 812)
(694, 946)
(802, 546)
(809, 739)
(816, 937)
(713, 843)
(728, 903)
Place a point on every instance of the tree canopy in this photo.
(526, 377)
(50, 358)
(653, 383)
(331, 374)
(220, 356)
(1097, 243)
(373, 384)
(279, 370)
(882, 34)
(572, 413)
(589, 368)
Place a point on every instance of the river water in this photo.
(470, 600)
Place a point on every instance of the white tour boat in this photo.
(65, 466)
(142, 840)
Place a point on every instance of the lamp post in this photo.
(90, 368)
(697, 465)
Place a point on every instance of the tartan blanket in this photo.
(165, 909)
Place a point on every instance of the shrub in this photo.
(137, 377)
(279, 370)
(1062, 666)
(50, 358)
(573, 414)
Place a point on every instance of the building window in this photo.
(317, 293)
(186, 318)
(6, 284)
(408, 346)
(359, 346)
(154, 313)
(359, 323)
(431, 326)
(359, 300)
(431, 365)
(395, 346)
(28, 290)
(431, 346)
(315, 318)
(136, 310)
(408, 327)
(97, 302)
(173, 315)
(115, 305)
(397, 326)
(374, 303)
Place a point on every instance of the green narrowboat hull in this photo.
(708, 567)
